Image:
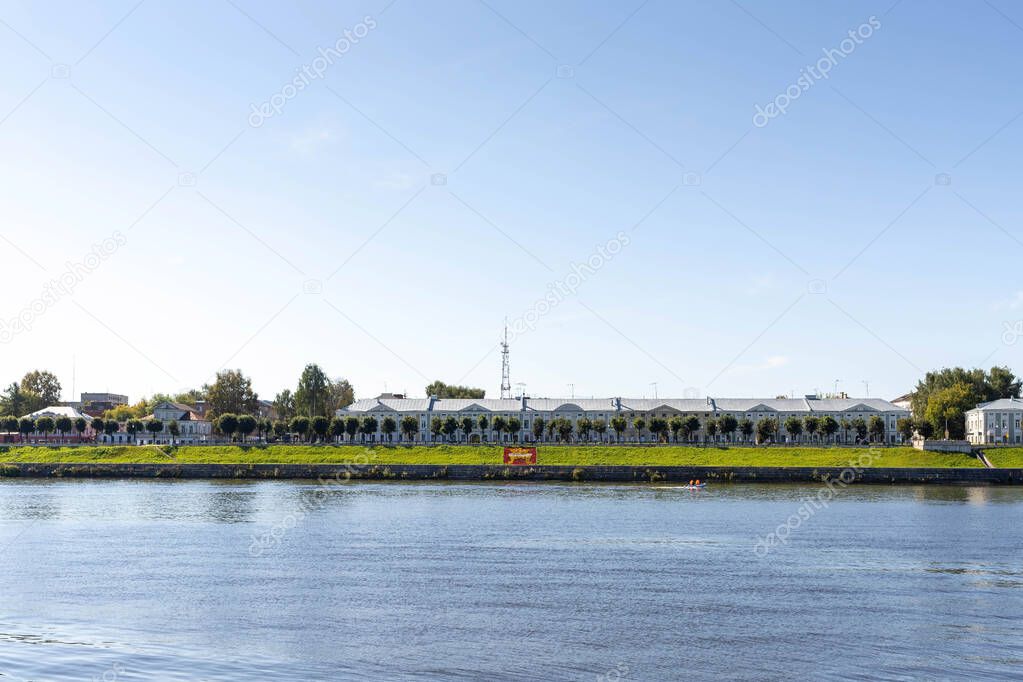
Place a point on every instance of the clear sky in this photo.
(452, 161)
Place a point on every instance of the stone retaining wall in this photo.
(463, 472)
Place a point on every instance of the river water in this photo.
(196, 580)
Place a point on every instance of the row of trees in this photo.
(44, 426)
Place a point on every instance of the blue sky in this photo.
(869, 233)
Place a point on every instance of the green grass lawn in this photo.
(569, 455)
(1005, 457)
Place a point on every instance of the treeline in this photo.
(942, 398)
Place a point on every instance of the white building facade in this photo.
(996, 422)
(527, 410)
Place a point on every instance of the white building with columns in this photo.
(995, 422)
(527, 410)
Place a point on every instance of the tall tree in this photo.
(154, 426)
(231, 393)
(44, 425)
(337, 429)
(983, 386)
(14, 402)
(351, 427)
(676, 424)
(42, 387)
(442, 390)
(284, 404)
(81, 424)
(340, 394)
(711, 428)
(312, 397)
(600, 426)
(300, 427)
(876, 428)
(947, 407)
(859, 425)
(483, 424)
(500, 425)
(436, 426)
(812, 425)
(583, 426)
(173, 429)
(619, 424)
(659, 427)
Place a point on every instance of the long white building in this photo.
(527, 410)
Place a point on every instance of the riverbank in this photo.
(444, 455)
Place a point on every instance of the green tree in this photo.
(64, 425)
(40, 389)
(280, 428)
(692, 426)
(564, 430)
(711, 428)
(368, 427)
(538, 426)
(859, 425)
(337, 429)
(45, 426)
(904, 427)
(9, 423)
(924, 428)
(110, 427)
(728, 424)
(387, 427)
(467, 424)
(766, 429)
(676, 425)
(246, 425)
(26, 425)
(639, 424)
(500, 425)
(746, 428)
(174, 430)
(846, 426)
(659, 427)
(97, 425)
(351, 427)
(436, 426)
(828, 426)
(312, 397)
(284, 404)
(619, 424)
(340, 394)
(794, 427)
(483, 424)
(551, 428)
(583, 426)
(876, 429)
(13, 401)
(154, 426)
(300, 427)
(409, 427)
(227, 424)
(448, 427)
(320, 425)
(442, 390)
(600, 426)
(947, 407)
(812, 425)
(230, 393)
(514, 427)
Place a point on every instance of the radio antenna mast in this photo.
(506, 391)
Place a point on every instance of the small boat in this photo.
(681, 487)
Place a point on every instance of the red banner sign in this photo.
(520, 456)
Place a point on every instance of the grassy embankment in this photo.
(567, 455)
(1005, 457)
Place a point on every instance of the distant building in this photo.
(95, 404)
(903, 401)
(995, 422)
(527, 410)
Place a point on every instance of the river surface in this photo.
(196, 580)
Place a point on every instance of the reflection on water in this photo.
(155, 580)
